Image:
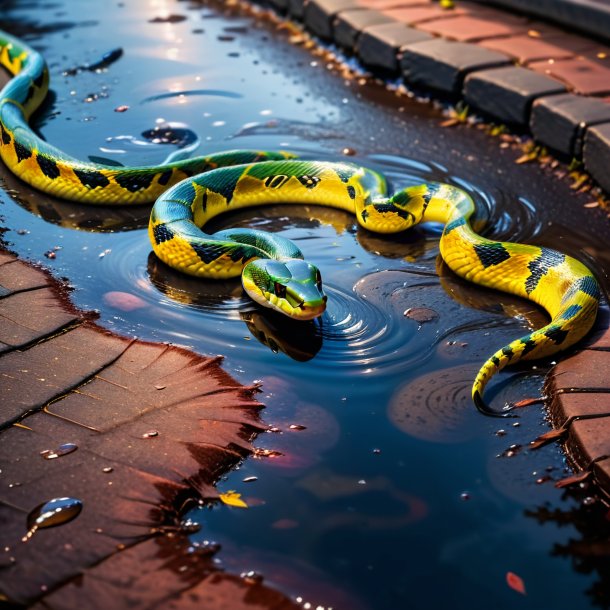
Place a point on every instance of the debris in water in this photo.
(232, 498)
(252, 577)
(421, 314)
(515, 582)
(123, 300)
(51, 454)
(168, 19)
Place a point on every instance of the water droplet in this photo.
(297, 427)
(512, 451)
(500, 432)
(107, 469)
(49, 514)
(150, 434)
(190, 527)
(51, 454)
(250, 479)
(348, 152)
(361, 482)
(252, 577)
(376, 451)
(271, 453)
(588, 501)
(122, 108)
(464, 496)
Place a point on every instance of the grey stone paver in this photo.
(507, 93)
(443, 64)
(319, 15)
(560, 121)
(379, 45)
(350, 24)
(596, 154)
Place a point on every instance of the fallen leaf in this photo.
(547, 437)
(576, 478)
(515, 583)
(232, 498)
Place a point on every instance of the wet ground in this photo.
(390, 490)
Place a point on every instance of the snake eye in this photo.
(280, 290)
(318, 279)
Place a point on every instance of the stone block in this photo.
(379, 45)
(442, 64)
(296, 8)
(319, 15)
(596, 154)
(508, 93)
(350, 24)
(560, 121)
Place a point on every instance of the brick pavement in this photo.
(145, 447)
(525, 73)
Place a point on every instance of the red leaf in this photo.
(515, 583)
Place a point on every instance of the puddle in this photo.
(363, 503)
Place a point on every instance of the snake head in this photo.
(292, 287)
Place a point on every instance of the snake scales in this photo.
(188, 193)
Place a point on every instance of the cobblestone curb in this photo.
(457, 53)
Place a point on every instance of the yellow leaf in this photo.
(232, 498)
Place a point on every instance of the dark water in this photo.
(389, 492)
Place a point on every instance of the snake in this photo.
(187, 193)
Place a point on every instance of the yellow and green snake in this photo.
(190, 192)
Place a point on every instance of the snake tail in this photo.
(560, 284)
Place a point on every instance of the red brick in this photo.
(602, 474)
(589, 439)
(584, 76)
(28, 316)
(587, 369)
(525, 48)
(600, 340)
(15, 275)
(420, 14)
(466, 28)
(567, 405)
(386, 4)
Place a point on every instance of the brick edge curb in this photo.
(407, 39)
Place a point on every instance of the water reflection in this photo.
(589, 549)
(382, 396)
